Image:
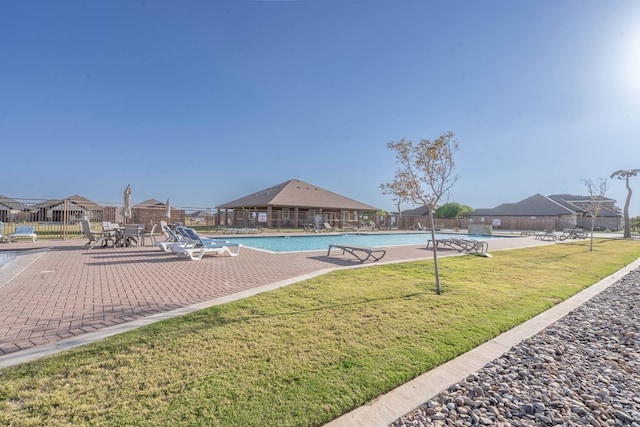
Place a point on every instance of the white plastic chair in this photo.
(150, 234)
(28, 231)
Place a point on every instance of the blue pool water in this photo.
(6, 257)
(322, 242)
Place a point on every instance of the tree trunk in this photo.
(435, 250)
(627, 227)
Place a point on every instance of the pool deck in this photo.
(58, 295)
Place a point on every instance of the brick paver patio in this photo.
(66, 291)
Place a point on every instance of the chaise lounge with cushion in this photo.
(197, 247)
(172, 239)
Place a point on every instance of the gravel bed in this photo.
(583, 370)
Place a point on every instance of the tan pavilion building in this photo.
(295, 204)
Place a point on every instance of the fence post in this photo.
(65, 219)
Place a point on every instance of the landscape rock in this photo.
(582, 370)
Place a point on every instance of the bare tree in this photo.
(424, 176)
(626, 174)
(596, 191)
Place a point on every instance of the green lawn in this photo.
(307, 353)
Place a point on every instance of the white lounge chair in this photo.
(172, 239)
(26, 231)
(149, 234)
(197, 247)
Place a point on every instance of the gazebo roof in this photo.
(296, 193)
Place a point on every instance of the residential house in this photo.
(609, 217)
(414, 219)
(12, 210)
(201, 217)
(70, 209)
(556, 212)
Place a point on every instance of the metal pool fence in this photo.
(60, 218)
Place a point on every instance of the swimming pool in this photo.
(285, 243)
(6, 257)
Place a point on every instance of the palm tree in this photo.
(626, 174)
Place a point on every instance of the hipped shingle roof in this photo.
(539, 205)
(83, 202)
(150, 203)
(536, 205)
(9, 203)
(296, 193)
(419, 211)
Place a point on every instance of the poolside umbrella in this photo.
(126, 210)
(168, 209)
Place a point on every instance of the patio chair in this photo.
(132, 235)
(181, 233)
(452, 243)
(167, 234)
(477, 246)
(110, 226)
(171, 238)
(193, 238)
(149, 234)
(197, 247)
(188, 237)
(95, 237)
(349, 228)
(113, 229)
(27, 231)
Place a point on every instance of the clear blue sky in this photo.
(207, 101)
